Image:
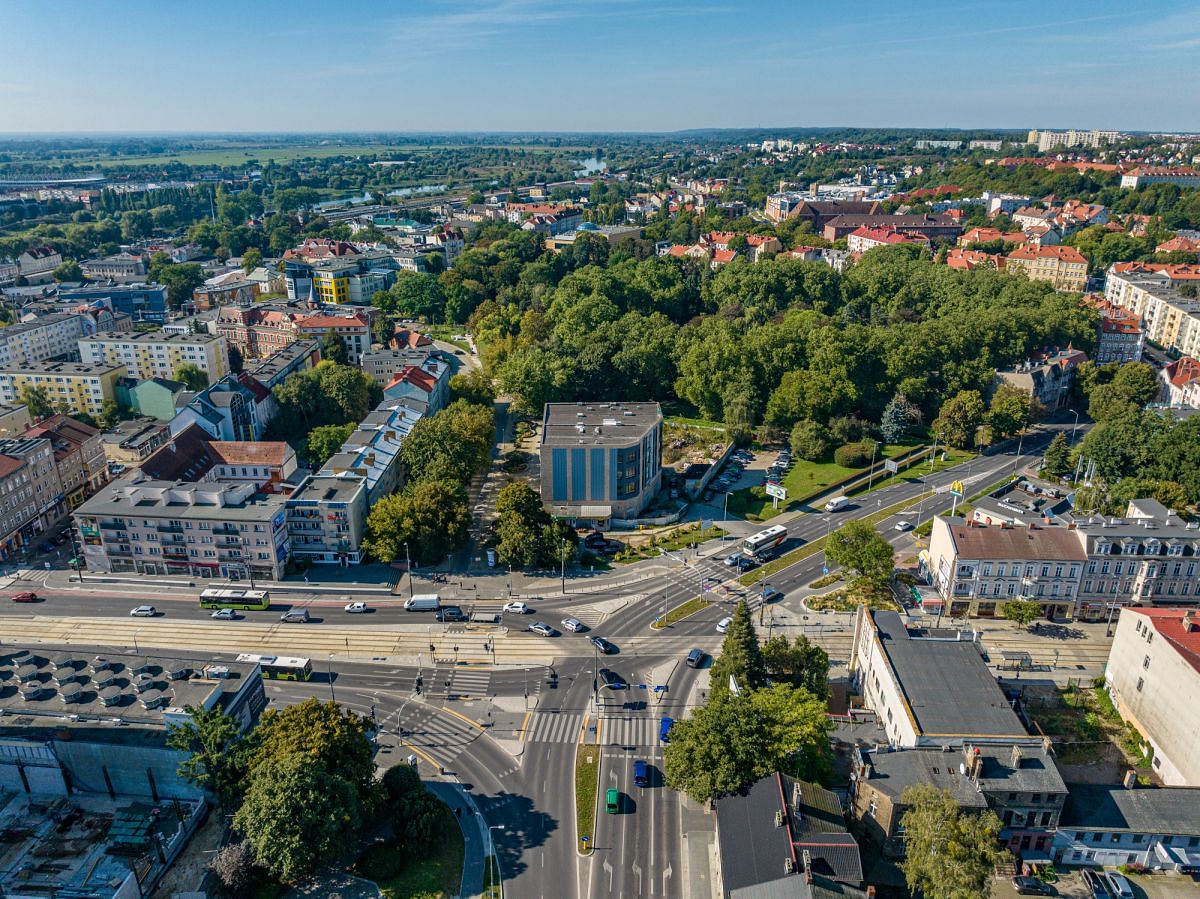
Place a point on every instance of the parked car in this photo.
(516, 607)
(733, 559)
(723, 625)
(224, 615)
(603, 645)
(450, 613)
(770, 594)
(143, 612)
(357, 608)
(574, 625)
(1094, 881)
(540, 627)
(25, 597)
(1031, 886)
(1118, 886)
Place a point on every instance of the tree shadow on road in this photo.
(525, 827)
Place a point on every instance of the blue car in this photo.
(664, 729)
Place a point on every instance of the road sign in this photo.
(777, 490)
(891, 465)
(660, 688)
(957, 489)
(824, 569)
(584, 839)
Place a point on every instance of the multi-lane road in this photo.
(509, 734)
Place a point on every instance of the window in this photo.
(1140, 683)
(1137, 838)
(1114, 838)
(1146, 663)
(1035, 798)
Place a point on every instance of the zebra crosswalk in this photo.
(629, 730)
(553, 727)
(460, 682)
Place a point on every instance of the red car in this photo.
(25, 597)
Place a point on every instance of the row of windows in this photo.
(1004, 569)
(206, 554)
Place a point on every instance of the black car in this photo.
(603, 645)
(1030, 886)
(450, 613)
(595, 538)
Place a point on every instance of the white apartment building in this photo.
(1153, 676)
(1048, 140)
(978, 567)
(1169, 318)
(157, 354)
(45, 337)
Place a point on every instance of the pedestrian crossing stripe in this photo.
(554, 727)
(630, 731)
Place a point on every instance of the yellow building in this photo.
(1064, 267)
(158, 355)
(77, 386)
(331, 282)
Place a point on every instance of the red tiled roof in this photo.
(245, 452)
(1169, 624)
(9, 464)
(724, 255)
(1061, 253)
(1182, 371)
(962, 259)
(1178, 245)
(332, 321)
(422, 380)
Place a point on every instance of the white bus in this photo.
(764, 542)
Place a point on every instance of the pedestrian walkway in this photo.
(554, 727)
(446, 681)
(629, 730)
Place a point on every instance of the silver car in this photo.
(143, 612)
(574, 625)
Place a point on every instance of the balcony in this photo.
(227, 542)
(169, 528)
(178, 553)
(112, 525)
(224, 529)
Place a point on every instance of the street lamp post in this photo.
(725, 517)
(496, 856)
(408, 565)
(1075, 424)
(329, 676)
(562, 557)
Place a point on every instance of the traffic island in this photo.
(681, 611)
(587, 782)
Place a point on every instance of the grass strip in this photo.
(587, 781)
(681, 611)
(491, 878)
(399, 873)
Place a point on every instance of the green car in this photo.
(612, 801)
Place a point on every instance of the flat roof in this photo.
(40, 686)
(151, 337)
(1164, 810)
(181, 499)
(946, 683)
(327, 489)
(598, 424)
(90, 369)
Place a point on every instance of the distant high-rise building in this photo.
(1048, 140)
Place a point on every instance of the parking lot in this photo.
(1070, 885)
(744, 469)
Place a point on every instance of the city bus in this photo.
(235, 598)
(280, 667)
(764, 543)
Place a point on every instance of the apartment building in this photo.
(1170, 319)
(427, 385)
(80, 387)
(1120, 336)
(158, 355)
(135, 440)
(14, 419)
(600, 462)
(50, 336)
(1150, 557)
(204, 530)
(372, 451)
(37, 263)
(976, 568)
(326, 518)
(932, 227)
(354, 330)
(1063, 267)
(78, 455)
(929, 687)
(382, 365)
(1050, 140)
(1181, 382)
(46, 499)
(1019, 782)
(1153, 677)
(17, 505)
(1047, 376)
(1184, 176)
(348, 282)
(118, 267)
(865, 238)
(1110, 825)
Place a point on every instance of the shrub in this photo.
(810, 440)
(854, 455)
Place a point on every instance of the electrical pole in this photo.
(408, 565)
(562, 557)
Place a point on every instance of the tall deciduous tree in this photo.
(326, 440)
(802, 664)
(37, 400)
(217, 758)
(451, 445)
(1009, 412)
(1022, 612)
(192, 376)
(333, 348)
(949, 854)
(860, 548)
(431, 516)
(958, 419)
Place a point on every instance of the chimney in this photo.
(1189, 621)
(1015, 758)
(1129, 780)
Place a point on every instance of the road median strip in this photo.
(587, 786)
(681, 611)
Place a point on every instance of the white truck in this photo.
(423, 602)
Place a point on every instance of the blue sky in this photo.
(604, 65)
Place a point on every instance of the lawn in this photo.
(491, 879)
(681, 611)
(435, 874)
(679, 412)
(445, 333)
(587, 777)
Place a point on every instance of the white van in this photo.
(837, 504)
(423, 602)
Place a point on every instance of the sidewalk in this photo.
(474, 830)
